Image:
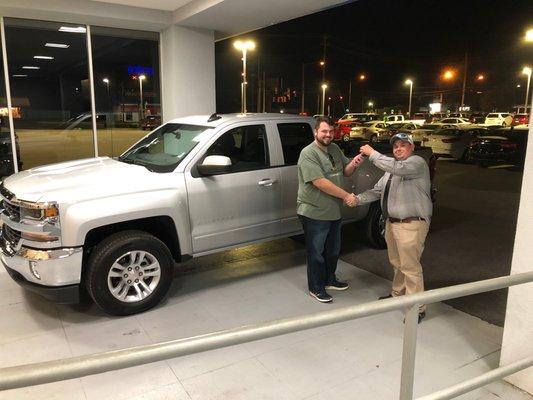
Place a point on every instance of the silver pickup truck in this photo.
(194, 186)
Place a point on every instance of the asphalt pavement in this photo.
(471, 236)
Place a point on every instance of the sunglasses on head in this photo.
(332, 160)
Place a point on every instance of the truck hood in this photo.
(79, 180)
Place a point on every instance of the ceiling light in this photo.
(44, 57)
(73, 29)
(30, 67)
(19, 76)
(57, 45)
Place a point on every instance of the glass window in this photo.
(126, 84)
(163, 149)
(294, 137)
(246, 146)
(50, 90)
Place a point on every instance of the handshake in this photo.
(350, 200)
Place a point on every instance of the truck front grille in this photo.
(11, 235)
(11, 211)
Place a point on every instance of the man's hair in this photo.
(321, 119)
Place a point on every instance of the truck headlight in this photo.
(37, 211)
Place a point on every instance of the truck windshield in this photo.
(164, 148)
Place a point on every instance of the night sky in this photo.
(388, 41)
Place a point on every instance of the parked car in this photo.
(477, 118)
(6, 149)
(458, 115)
(454, 121)
(196, 185)
(453, 142)
(343, 129)
(6, 153)
(521, 119)
(507, 145)
(361, 117)
(394, 118)
(437, 116)
(421, 118)
(503, 119)
(151, 122)
(371, 131)
(393, 129)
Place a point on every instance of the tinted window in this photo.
(492, 116)
(246, 146)
(294, 137)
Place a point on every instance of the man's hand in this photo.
(357, 160)
(367, 150)
(350, 200)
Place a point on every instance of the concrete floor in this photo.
(358, 359)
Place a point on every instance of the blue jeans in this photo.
(323, 246)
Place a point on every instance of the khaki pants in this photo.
(405, 244)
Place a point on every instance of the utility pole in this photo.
(264, 91)
(464, 80)
(324, 43)
(302, 109)
(350, 96)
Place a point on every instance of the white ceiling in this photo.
(225, 17)
(163, 5)
(232, 17)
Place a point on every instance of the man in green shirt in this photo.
(321, 168)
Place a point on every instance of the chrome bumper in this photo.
(57, 267)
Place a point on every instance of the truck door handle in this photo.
(266, 182)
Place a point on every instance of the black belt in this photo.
(406, 220)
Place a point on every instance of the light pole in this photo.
(410, 83)
(527, 71)
(371, 106)
(106, 81)
(324, 87)
(243, 47)
(141, 113)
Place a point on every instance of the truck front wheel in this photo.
(129, 272)
(375, 227)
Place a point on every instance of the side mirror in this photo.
(215, 165)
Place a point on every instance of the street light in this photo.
(244, 47)
(410, 83)
(448, 75)
(362, 77)
(106, 81)
(141, 79)
(324, 87)
(480, 77)
(529, 35)
(527, 71)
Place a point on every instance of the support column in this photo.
(187, 72)
(518, 330)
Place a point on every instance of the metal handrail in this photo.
(75, 367)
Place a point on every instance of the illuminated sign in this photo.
(138, 70)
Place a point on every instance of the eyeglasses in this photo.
(332, 160)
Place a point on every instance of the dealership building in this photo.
(89, 78)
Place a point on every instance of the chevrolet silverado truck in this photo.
(114, 228)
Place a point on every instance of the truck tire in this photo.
(375, 227)
(129, 272)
